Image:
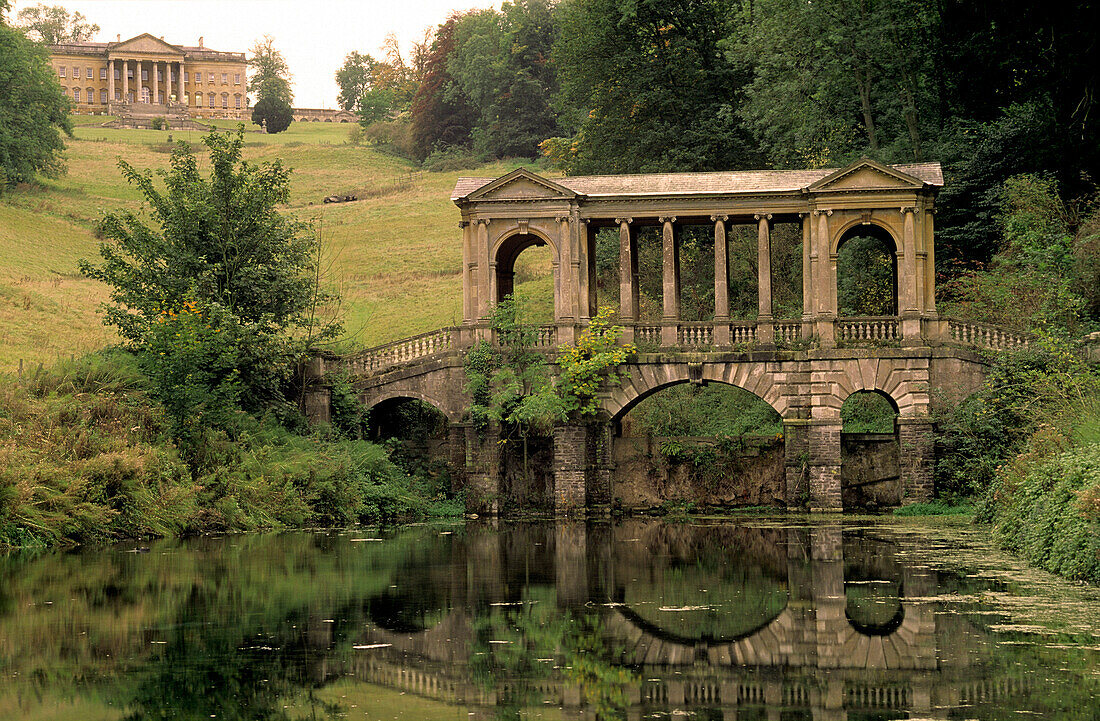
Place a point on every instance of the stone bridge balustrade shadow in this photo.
(809, 649)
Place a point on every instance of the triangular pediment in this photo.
(146, 43)
(867, 175)
(521, 184)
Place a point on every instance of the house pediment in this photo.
(146, 44)
(521, 184)
(865, 175)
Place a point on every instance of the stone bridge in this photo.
(804, 368)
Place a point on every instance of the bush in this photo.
(391, 136)
(451, 158)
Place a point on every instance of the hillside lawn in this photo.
(394, 255)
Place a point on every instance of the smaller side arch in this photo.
(844, 230)
(370, 400)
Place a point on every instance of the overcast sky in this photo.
(314, 35)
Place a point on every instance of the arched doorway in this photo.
(870, 475)
(867, 272)
(525, 272)
(415, 432)
(703, 445)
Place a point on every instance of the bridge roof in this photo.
(723, 182)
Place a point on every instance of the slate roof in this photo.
(732, 182)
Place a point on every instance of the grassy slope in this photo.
(394, 257)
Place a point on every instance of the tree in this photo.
(33, 111)
(270, 73)
(273, 114)
(646, 87)
(52, 24)
(355, 77)
(218, 294)
(441, 114)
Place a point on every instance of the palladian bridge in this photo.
(804, 368)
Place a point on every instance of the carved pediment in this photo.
(146, 43)
(521, 184)
(866, 175)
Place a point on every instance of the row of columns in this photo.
(155, 79)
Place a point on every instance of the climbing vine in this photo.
(595, 359)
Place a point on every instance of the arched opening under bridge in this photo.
(416, 432)
(870, 473)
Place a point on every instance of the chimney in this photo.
(200, 41)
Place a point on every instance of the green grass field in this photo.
(394, 255)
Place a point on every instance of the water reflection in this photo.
(633, 620)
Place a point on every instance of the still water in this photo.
(713, 619)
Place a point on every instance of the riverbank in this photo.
(86, 457)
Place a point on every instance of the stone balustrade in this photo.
(872, 329)
(700, 336)
(984, 336)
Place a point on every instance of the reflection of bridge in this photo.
(810, 656)
(804, 367)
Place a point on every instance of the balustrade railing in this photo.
(984, 336)
(855, 330)
(546, 336)
(648, 334)
(421, 346)
(741, 333)
(786, 332)
(695, 335)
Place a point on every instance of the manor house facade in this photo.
(148, 77)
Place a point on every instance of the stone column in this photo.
(823, 447)
(628, 278)
(485, 300)
(468, 311)
(110, 81)
(583, 261)
(125, 81)
(179, 81)
(827, 571)
(456, 455)
(796, 461)
(908, 280)
(721, 282)
(483, 470)
(929, 263)
(916, 453)
(765, 323)
(670, 247)
(155, 72)
(566, 275)
(807, 276)
(140, 82)
(570, 466)
(600, 464)
(823, 270)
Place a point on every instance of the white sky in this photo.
(313, 35)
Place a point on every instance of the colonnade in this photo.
(173, 71)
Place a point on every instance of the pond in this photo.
(749, 618)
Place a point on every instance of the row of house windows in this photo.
(88, 96)
(145, 75)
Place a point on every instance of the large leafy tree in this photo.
(355, 77)
(441, 113)
(502, 63)
(648, 88)
(53, 24)
(270, 82)
(217, 261)
(33, 111)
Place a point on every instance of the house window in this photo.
(88, 73)
(61, 72)
(210, 100)
(211, 78)
(91, 95)
(144, 75)
(236, 78)
(76, 73)
(225, 100)
(118, 73)
(102, 97)
(237, 100)
(225, 78)
(103, 73)
(76, 95)
(186, 77)
(129, 72)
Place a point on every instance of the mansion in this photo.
(145, 77)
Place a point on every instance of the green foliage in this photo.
(224, 277)
(273, 113)
(52, 24)
(715, 410)
(270, 75)
(591, 363)
(647, 87)
(354, 79)
(866, 278)
(441, 113)
(33, 111)
(935, 508)
(868, 412)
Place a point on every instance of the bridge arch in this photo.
(373, 400)
(645, 380)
